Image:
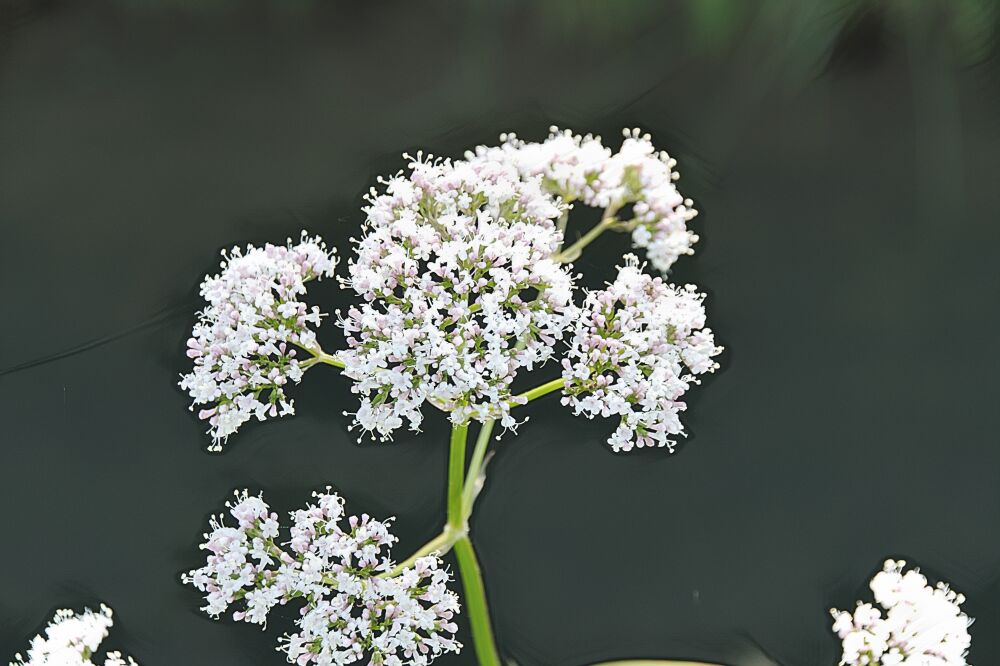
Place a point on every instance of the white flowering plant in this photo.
(464, 276)
(464, 273)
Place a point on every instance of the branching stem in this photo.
(544, 389)
(320, 356)
(474, 477)
(440, 544)
(572, 253)
(468, 565)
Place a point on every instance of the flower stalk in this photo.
(468, 564)
(475, 601)
(440, 544)
(573, 252)
(461, 494)
(456, 475)
(475, 477)
(320, 356)
(544, 389)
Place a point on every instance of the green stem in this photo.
(468, 566)
(440, 544)
(544, 389)
(456, 475)
(563, 221)
(475, 602)
(572, 253)
(456, 526)
(473, 476)
(320, 356)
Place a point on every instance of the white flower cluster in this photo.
(71, 639)
(922, 626)
(581, 168)
(633, 350)
(461, 292)
(332, 564)
(244, 344)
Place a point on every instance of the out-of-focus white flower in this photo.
(634, 348)
(461, 292)
(922, 626)
(244, 344)
(331, 563)
(71, 639)
(581, 168)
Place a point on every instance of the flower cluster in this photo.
(461, 292)
(244, 344)
(339, 567)
(922, 626)
(71, 639)
(633, 352)
(581, 168)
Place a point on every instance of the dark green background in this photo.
(844, 156)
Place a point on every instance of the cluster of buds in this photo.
(247, 341)
(338, 568)
(72, 639)
(922, 625)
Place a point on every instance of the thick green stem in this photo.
(456, 475)
(455, 536)
(468, 566)
(475, 603)
(456, 526)
(544, 389)
(473, 478)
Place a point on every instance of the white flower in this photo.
(633, 350)
(922, 626)
(581, 168)
(460, 293)
(331, 564)
(244, 344)
(71, 639)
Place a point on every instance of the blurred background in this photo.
(843, 155)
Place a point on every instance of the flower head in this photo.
(245, 343)
(581, 168)
(71, 639)
(923, 625)
(635, 350)
(460, 293)
(331, 563)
